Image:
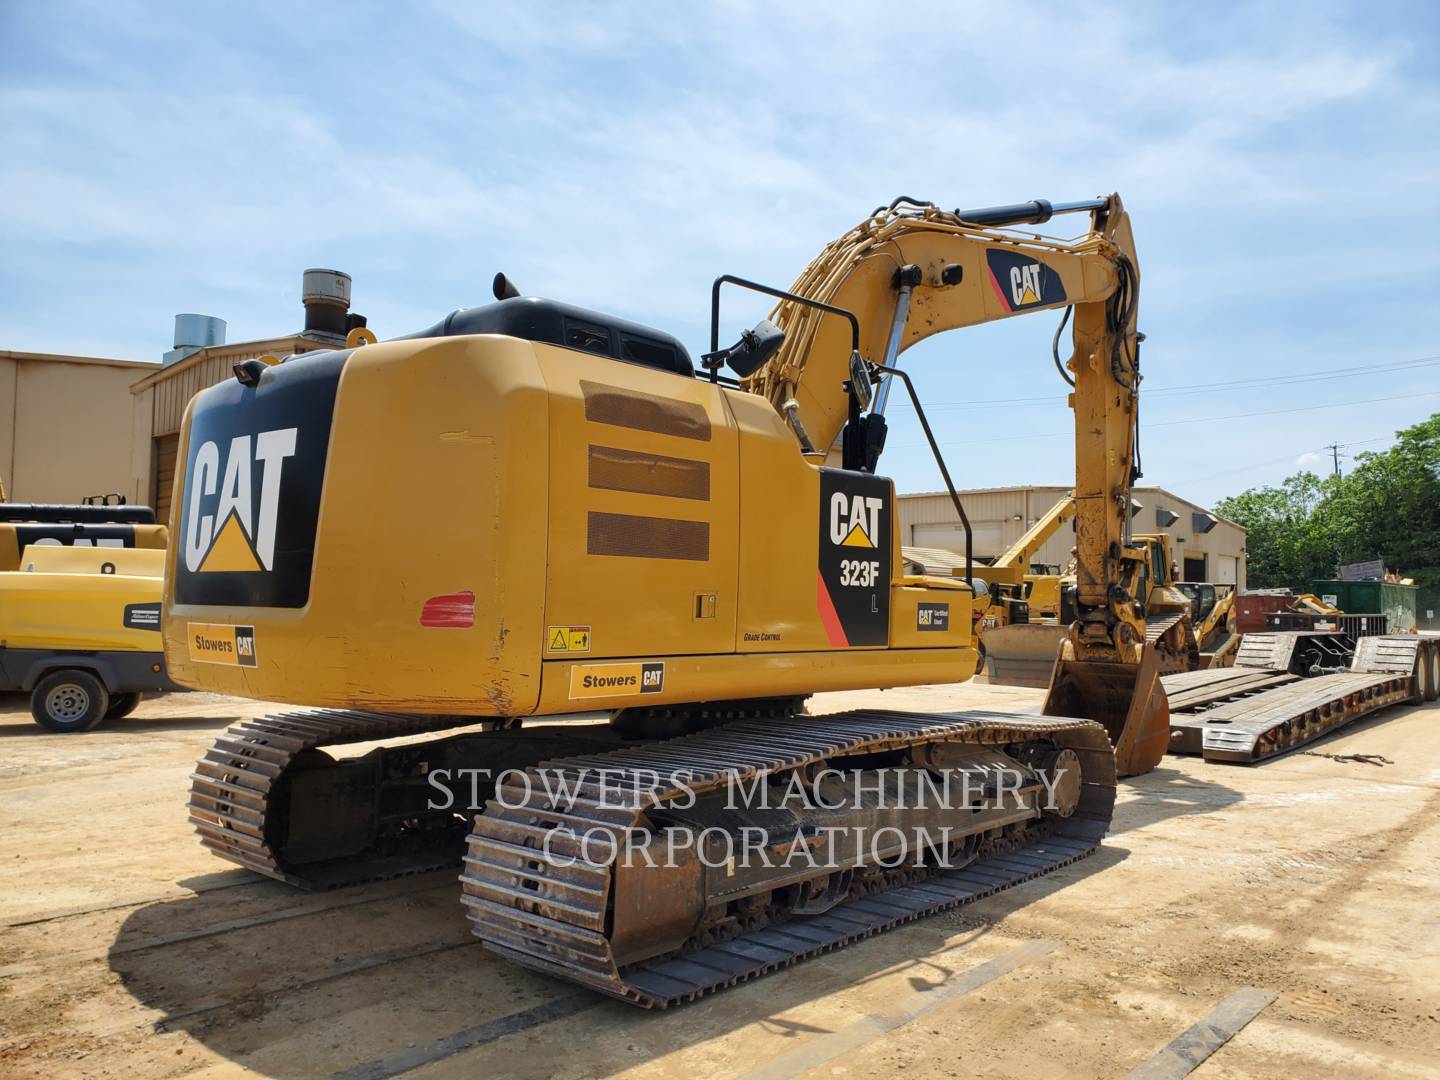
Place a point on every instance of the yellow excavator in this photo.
(1022, 652)
(1008, 594)
(532, 509)
(1019, 600)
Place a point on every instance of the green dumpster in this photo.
(1395, 602)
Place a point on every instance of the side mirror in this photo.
(860, 381)
(748, 355)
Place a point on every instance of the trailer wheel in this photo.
(69, 700)
(1433, 690)
(122, 705)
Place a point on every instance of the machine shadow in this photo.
(128, 726)
(1166, 793)
(247, 971)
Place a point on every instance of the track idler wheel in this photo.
(1127, 699)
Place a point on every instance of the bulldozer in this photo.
(580, 521)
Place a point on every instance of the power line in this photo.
(1177, 423)
(1292, 456)
(1182, 390)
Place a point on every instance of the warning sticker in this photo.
(567, 639)
(215, 643)
(616, 680)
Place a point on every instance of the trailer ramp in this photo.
(1266, 705)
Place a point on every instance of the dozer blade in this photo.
(1128, 699)
(1022, 654)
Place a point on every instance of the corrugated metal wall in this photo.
(175, 386)
(164, 459)
(170, 391)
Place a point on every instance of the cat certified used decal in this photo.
(1022, 282)
(220, 643)
(254, 469)
(616, 680)
(932, 617)
(853, 590)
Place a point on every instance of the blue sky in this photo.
(1281, 163)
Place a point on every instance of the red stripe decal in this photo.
(829, 617)
(1004, 300)
(449, 611)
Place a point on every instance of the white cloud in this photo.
(623, 155)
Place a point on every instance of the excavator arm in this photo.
(912, 270)
(1013, 563)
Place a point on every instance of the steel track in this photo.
(559, 920)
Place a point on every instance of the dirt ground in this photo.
(127, 950)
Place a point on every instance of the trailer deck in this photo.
(1266, 705)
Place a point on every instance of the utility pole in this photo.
(1334, 449)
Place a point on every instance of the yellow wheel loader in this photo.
(80, 632)
(577, 520)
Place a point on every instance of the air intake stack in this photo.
(326, 296)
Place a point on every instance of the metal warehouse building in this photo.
(1207, 547)
(81, 426)
(65, 425)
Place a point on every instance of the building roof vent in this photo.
(193, 333)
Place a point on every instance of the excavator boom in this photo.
(913, 270)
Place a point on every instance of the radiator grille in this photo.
(649, 474)
(647, 537)
(644, 412)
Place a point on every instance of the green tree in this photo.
(1387, 508)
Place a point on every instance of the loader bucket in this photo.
(1128, 699)
(1022, 654)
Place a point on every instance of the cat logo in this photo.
(854, 520)
(236, 534)
(852, 587)
(1021, 282)
(1025, 284)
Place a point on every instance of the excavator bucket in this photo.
(1128, 699)
(1022, 654)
